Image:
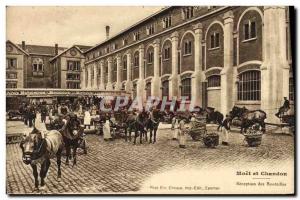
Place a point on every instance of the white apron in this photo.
(175, 132)
(106, 130)
(182, 134)
(87, 118)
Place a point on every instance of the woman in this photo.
(182, 132)
(87, 119)
(106, 129)
(176, 127)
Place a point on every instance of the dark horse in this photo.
(213, 116)
(72, 136)
(136, 123)
(38, 148)
(153, 124)
(248, 118)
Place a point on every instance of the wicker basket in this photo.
(211, 140)
(253, 140)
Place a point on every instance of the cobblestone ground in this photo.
(119, 166)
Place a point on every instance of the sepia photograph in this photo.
(148, 100)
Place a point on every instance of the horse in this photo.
(136, 123)
(248, 118)
(39, 148)
(213, 116)
(152, 125)
(72, 136)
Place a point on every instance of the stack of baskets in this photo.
(253, 136)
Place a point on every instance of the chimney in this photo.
(107, 31)
(23, 45)
(56, 49)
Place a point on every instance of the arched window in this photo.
(249, 86)
(187, 47)
(186, 88)
(136, 60)
(214, 81)
(165, 88)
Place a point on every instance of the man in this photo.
(284, 108)
(44, 112)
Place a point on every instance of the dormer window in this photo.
(150, 29)
(114, 46)
(188, 12)
(167, 22)
(124, 42)
(136, 36)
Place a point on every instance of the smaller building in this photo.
(37, 66)
(67, 70)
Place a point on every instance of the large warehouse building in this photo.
(216, 56)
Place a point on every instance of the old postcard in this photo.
(150, 100)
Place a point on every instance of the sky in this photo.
(67, 26)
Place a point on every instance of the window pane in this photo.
(217, 40)
(249, 86)
(212, 41)
(253, 29)
(246, 31)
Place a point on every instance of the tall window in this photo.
(249, 86)
(187, 47)
(165, 88)
(166, 53)
(249, 29)
(214, 81)
(125, 64)
(136, 60)
(291, 89)
(214, 40)
(186, 88)
(11, 63)
(167, 21)
(150, 57)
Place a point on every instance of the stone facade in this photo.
(229, 55)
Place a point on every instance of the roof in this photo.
(38, 49)
(83, 48)
(80, 48)
(131, 27)
(18, 47)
